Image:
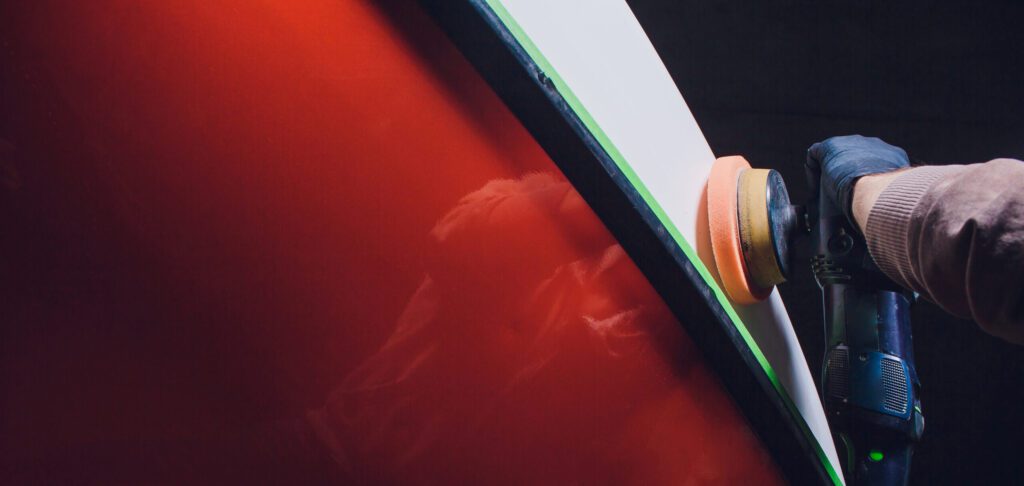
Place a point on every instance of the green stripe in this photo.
(620, 161)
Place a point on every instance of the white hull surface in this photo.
(605, 65)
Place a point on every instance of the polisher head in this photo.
(751, 221)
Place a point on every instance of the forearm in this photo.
(866, 191)
(955, 234)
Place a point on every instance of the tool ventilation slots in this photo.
(894, 382)
(839, 373)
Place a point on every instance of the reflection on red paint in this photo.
(251, 234)
(517, 359)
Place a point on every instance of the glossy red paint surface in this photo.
(250, 240)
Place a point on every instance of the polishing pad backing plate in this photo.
(756, 236)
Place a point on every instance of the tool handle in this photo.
(869, 385)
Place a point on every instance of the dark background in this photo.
(945, 81)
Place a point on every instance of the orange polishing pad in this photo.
(723, 224)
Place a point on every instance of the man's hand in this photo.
(840, 161)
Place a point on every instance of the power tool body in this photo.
(869, 384)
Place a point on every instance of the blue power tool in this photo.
(870, 388)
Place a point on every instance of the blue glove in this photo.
(839, 161)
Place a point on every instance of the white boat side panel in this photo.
(601, 52)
